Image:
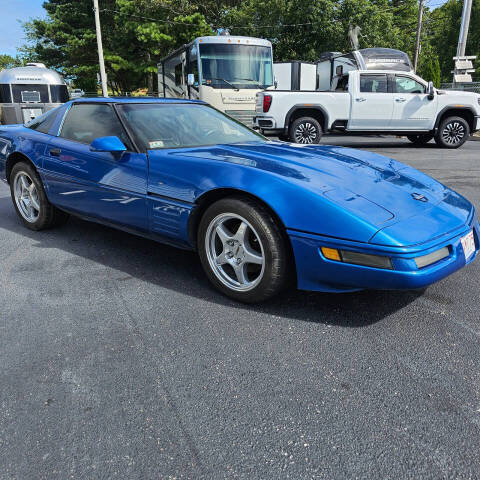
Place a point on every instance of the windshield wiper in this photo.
(252, 80)
(227, 82)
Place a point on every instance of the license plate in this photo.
(468, 244)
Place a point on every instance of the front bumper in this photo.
(316, 273)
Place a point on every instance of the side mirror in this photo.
(339, 70)
(190, 79)
(430, 91)
(275, 83)
(108, 144)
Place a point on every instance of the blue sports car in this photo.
(261, 214)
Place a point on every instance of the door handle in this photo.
(361, 99)
(400, 99)
(55, 152)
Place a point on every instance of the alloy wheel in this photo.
(453, 133)
(305, 133)
(235, 252)
(26, 197)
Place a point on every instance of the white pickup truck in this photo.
(371, 102)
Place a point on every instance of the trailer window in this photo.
(59, 93)
(30, 93)
(373, 83)
(5, 96)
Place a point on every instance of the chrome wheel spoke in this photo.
(223, 234)
(222, 258)
(35, 203)
(241, 233)
(241, 274)
(26, 197)
(252, 257)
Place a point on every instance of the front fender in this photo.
(186, 177)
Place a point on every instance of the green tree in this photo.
(7, 61)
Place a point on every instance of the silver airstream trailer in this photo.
(27, 92)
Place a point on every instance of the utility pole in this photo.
(463, 64)
(419, 33)
(103, 75)
(462, 38)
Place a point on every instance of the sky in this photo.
(11, 32)
(15, 12)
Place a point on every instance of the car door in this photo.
(412, 109)
(371, 103)
(111, 187)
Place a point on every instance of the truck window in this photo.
(373, 83)
(408, 85)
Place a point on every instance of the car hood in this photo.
(375, 189)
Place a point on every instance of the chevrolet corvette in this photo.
(261, 214)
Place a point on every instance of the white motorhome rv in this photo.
(225, 71)
(27, 92)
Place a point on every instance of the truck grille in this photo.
(244, 116)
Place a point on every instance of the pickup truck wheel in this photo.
(420, 139)
(305, 130)
(453, 132)
(242, 250)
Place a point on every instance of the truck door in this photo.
(412, 109)
(371, 104)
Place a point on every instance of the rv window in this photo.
(30, 93)
(178, 74)
(43, 122)
(5, 96)
(373, 83)
(86, 122)
(193, 64)
(59, 93)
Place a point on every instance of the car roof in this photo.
(134, 100)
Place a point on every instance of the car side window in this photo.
(373, 84)
(86, 122)
(43, 122)
(408, 85)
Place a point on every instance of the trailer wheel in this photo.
(305, 130)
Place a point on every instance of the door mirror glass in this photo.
(431, 91)
(108, 144)
(190, 79)
(339, 70)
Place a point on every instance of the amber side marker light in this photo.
(355, 258)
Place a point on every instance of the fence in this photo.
(467, 87)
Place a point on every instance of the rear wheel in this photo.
(453, 132)
(242, 250)
(420, 139)
(30, 200)
(305, 130)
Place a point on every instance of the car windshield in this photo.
(236, 66)
(157, 126)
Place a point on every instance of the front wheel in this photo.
(242, 250)
(453, 132)
(305, 130)
(420, 139)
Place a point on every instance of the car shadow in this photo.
(181, 271)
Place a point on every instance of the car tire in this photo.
(30, 200)
(452, 132)
(422, 139)
(306, 130)
(243, 250)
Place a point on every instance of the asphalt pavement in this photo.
(118, 360)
